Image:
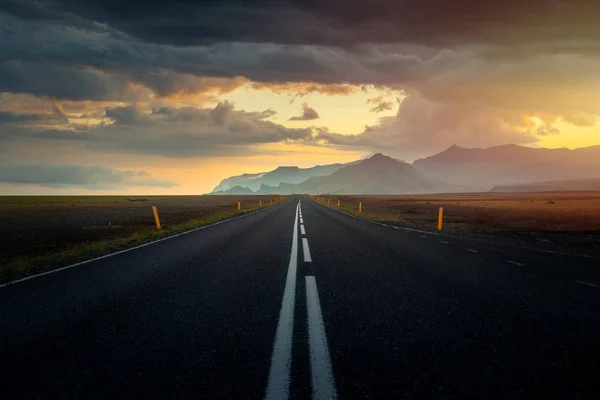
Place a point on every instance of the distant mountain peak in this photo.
(381, 158)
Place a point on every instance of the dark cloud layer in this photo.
(167, 131)
(9, 117)
(329, 22)
(91, 177)
(61, 82)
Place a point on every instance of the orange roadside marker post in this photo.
(156, 219)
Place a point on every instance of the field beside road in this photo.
(42, 232)
(565, 218)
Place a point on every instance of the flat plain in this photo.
(563, 218)
(52, 230)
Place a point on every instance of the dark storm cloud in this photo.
(127, 115)
(60, 82)
(76, 176)
(168, 131)
(9, 117)
(330, 22)
(308, 114)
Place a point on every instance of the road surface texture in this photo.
(301, 301)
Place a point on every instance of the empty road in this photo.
(302, 301)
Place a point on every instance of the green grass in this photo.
(23, 266)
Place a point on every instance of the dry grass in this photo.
(571, 218)
(36, 236)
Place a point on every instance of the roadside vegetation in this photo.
(37, 244)
(569, 219)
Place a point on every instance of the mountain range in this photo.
(456, 169)
(273, 178)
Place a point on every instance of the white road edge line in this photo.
(472, 251)
(302, 230)
(515, 263)
(278, 386)
(444, 242)
(323, 384)
(306, 250)
(588, 284)
(125, 250)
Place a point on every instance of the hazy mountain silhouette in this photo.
(456, 169)
(376, 175)
(482, 169)
(274, 178)
(235, 190)
(551, 186)
(266, 189)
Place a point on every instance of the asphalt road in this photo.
(301, 301)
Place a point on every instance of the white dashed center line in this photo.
(441, 241)
(306, 250)
(281, 362)
(322, 381)
(323, 385)
(472, 251)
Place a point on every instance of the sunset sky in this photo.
(107, 96)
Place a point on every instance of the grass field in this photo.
(565, 218)
(38, 233)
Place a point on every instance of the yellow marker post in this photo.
(359, 207)
(328, 202)
(156, 219)
(440, 218)
(260, 203)
(338, 204)
(239, 206)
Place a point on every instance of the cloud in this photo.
(10, 117)
(308, 114)
(171, 132)
(581, 119)
(383, 106)
(327, 22)
(301, 89)
(62, 82)
(222, 112)
(423, 126)
(60, 113)
(127, 115)
(90, 177)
